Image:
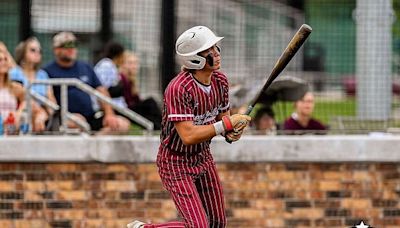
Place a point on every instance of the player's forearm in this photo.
(191, 134)
(194, 134)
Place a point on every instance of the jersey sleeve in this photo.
(178, 103)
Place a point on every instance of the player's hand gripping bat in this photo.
(294, 45)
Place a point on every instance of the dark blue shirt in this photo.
(78, 101)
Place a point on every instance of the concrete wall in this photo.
(328, 181)
(336, 148)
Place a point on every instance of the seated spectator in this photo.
(301, 121)
(11, 94)
(128, 72)
(66, 65)
(264, 122)
(28, 56)
(107, 71)
(3, 48)
(147, 108)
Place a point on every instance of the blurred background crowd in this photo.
(346, 79)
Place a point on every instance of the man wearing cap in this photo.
(66, 65)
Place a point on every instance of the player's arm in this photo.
(194, 134)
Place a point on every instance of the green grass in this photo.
(135, 129)
(324, 110)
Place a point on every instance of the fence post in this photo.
(167, 42)
(25, 19)
(64, 108)
(374, 52)
(106, 32)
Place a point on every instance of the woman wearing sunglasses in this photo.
(28, 56)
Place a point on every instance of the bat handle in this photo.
(249, 109)
(228, 140)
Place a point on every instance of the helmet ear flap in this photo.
(195, 62)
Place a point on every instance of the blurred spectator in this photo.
(301, 121)
(128, 72)
(11, 94)
(350, 84)
(264, 122)
(148, 108)
(66, 65)
(107, 71)
(3, 48)
(28, 56)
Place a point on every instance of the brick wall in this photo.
(257, 194)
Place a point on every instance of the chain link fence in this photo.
(351, 60)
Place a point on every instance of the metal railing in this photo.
(55, 107)
(63, 107)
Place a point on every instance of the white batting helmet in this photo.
(193, 41)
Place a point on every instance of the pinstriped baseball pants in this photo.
(195, 188)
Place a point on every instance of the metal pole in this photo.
(25, 19)
(374, 20)
(29, 108)
(106, 31)
(64, 108)
(167, 42)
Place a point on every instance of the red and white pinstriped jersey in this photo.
(186, 99)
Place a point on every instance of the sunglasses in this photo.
(35, 50)
(70, 44)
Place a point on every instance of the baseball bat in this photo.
(294, 45)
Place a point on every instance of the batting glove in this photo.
(236, 122)
(233, 136)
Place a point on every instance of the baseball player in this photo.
(196, 108)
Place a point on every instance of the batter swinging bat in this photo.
(293, 46)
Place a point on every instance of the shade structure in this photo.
(284, 88)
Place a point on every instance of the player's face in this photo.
(215, 53)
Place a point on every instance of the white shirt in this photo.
(108, 75)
